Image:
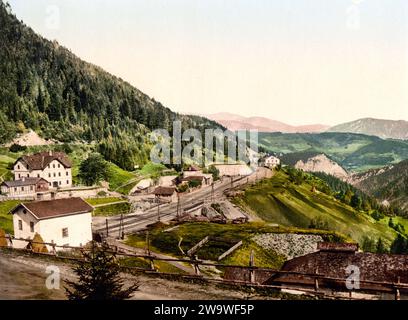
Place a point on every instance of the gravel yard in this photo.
(288, 244)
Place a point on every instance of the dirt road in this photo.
(23, 277)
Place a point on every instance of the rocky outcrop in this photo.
(356, 178)
(321, 163)
(289, 245)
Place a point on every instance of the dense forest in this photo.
(356, 197)
(390, 185)
(45, 87)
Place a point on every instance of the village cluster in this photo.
(53, 208)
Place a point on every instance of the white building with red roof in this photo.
(65, 222)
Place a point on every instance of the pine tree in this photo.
(98, 277)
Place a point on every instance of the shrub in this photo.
(17, 148)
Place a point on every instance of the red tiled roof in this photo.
(56, 208)
(40, 161)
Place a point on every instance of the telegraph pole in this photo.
(178, 206)
(158, 212)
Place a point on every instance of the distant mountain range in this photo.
(354, 152)
(386, 129)
(236, 122)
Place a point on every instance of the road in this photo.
(135, 222)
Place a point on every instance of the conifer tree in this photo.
(98, 277)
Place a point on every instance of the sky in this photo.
(296, 61)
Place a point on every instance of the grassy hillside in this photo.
(281, 201)
(355, 152)
(165, 239)
(6, 219)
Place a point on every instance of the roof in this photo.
(332, 264)
(56, 208)
(39, 161)
(145, 183)
(164, 191)
(339, 247)
(194, 178)
(23, 182)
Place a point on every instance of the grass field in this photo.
(98, 201)
(222, 237)
(6, 219)
(280, 201)
(112, 210)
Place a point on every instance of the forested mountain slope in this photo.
(45, 87)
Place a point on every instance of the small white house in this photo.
(63, 222)
(271, 162)
(25, 187)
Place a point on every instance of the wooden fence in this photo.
(387, 287)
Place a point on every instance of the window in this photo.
(54, 175)
(22, 188)
(31, 188)
(67, 181)
(49, 183)
(19, 175)
(53, 166)
(38, 175)
(49, 175)
(59, 166)
(59, 174)
(18, 167)
(59, 182)
(67, 173)
(20, 225)
(15, 189)
(65, 233)
(31, 226)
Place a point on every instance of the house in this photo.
(332, 261)
(271, 162)
(25, 187)
(63, 222)
(55, 167)
(166, 194)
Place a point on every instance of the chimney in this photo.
(50, 153)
